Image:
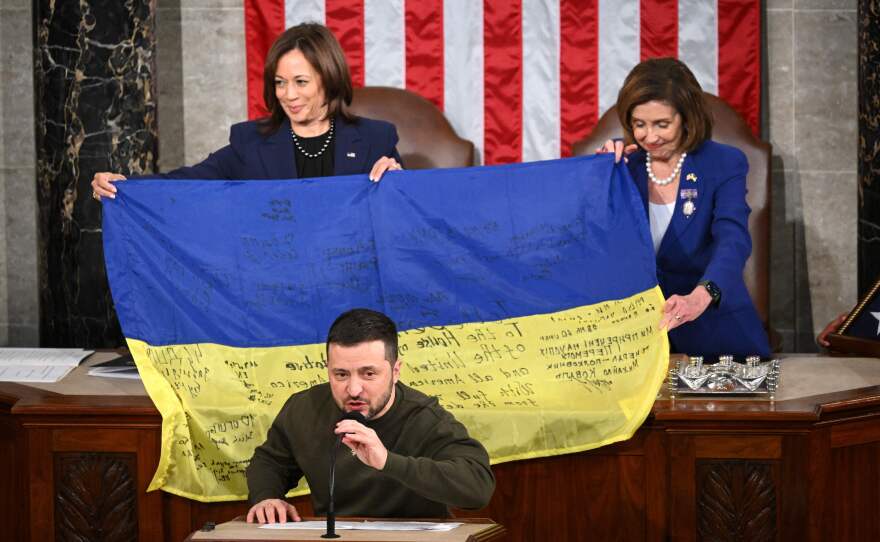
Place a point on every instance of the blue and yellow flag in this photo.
(526, 296)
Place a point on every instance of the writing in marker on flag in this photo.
(535, 323)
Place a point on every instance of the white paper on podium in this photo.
(364, 525)
(38, 364)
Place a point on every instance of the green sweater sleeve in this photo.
(272, 471)
(453, 470)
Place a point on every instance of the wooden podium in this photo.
(76, 458)
(473, 530)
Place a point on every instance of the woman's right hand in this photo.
(832, 327)
(102, 184)
(616, 146)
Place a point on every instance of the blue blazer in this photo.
(713, 243)
(252, 155)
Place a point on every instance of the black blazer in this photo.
(252, 155)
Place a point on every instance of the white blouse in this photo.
(660, 215)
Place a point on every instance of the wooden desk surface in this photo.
(473, 530)
(811, 387)
(805, 466)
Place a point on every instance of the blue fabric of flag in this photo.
(269, 263)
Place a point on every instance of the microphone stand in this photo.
(331, 509)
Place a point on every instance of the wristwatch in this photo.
(714, 291)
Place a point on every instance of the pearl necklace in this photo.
(323, 148)
(667, 180)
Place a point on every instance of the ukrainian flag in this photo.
(526, 295)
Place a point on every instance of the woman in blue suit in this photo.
(309, 131)
(694, 191)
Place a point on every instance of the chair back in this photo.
(427, 140)
(728, 128)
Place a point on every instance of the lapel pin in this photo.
(688, 208)
(692, 177)
(688, 193)
(350, 155)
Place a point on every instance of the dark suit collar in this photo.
(351, 149)
(690, 187)
(680, 222)
(349, 158)
(277, 153)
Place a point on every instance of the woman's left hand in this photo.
(685, 308)
(386, 163)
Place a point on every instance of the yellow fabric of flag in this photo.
(525, 387)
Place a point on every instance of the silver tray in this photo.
(727, 377)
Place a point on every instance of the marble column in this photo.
(95, 111)
(869, 143)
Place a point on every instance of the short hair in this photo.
(666, 80)
(318, 44)
(364, 325)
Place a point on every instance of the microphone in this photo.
(331, 510)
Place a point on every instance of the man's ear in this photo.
(395, 370)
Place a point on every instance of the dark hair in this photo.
(323, 52)
(666, 80)
(364, 325)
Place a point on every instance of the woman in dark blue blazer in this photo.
(694, 191)
(309, 131)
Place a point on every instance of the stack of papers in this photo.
(121, 367)
(365, 525)
(38, 364)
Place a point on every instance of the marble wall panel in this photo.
(811, 88)
(19, 308)
(214, 79)
(95, 106)
(869, 144)
(169, 85)
(825, 90)
(4, 295)
(780, 86)
(4, 311)
(826, 152)
(779, 130)
(830, 201)
(830, 5)
(21, 252)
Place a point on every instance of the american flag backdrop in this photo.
(523, 79)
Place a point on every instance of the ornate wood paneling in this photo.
(855, 488)
(805, 470)
(736, 501)
(96, 497)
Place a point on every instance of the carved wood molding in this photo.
(736, 501)
(95, 497)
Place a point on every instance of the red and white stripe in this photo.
(523, 79)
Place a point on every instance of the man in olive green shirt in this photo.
(410, 458)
